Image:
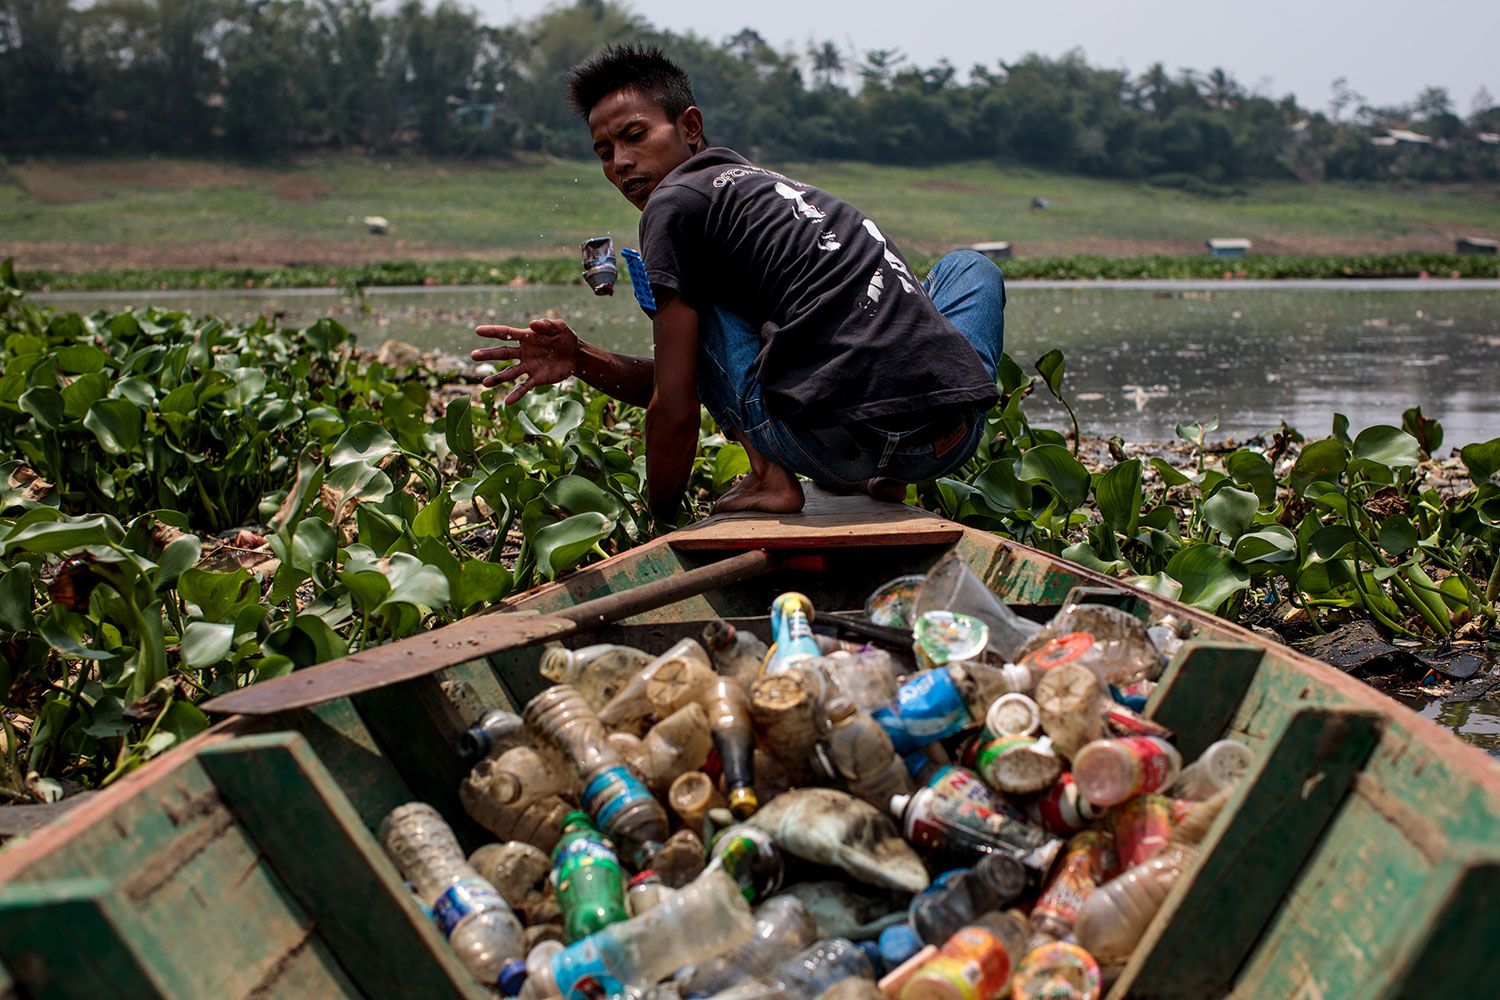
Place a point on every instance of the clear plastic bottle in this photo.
(697, 923)
(645, 891)
(1069, 699)
(691, 796)
(675, 745)
(679, 674)
(785, 711)
(733, 736)
(495, 732)
(1108, 772)
(520, 872)
(520, 795)
(952, 586)
(808, 973)
(783, 927)
(861, 754)
(736, 652)
(1056, 970)
(1120, 651)
(791, 625)
(1013, 714)
(539, 984)
(975, 963)
(612, 793)
(1114, 917)
(480, 927)
(598, 672)
(1219, 767)
(994, 883)
(868, 677)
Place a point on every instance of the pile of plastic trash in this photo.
(984, 813)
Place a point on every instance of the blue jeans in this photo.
(966, 287)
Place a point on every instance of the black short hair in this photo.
(643, 67)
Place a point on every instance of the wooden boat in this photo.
(1359, 859)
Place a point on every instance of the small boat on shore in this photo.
(1360, 857)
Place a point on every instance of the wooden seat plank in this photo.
(826, 520)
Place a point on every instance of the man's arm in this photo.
(672, 420)
(549, 351)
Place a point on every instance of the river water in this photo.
(1140, 356)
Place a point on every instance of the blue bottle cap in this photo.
(512, 978)
(898, 943)
(872, 952)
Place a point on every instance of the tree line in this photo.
(266, 78)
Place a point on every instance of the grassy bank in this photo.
(313, 209)
(557, 270)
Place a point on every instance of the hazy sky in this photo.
(1389, 49)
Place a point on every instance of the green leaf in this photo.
(84, 392)
(1054, 467)
(1194, 433)
(358, 480)
(1398, 535)
(61, 630)
(1387, 445)
(1252, 471)
(182, 720)
(414, 582)
(1168, 474)
(1209, 576)
(107, 718)
(1336, 541)
(1270, 545)
(577, 495)
(305, 640)
(1341, 428)
(116, 423)
(313, 542)
(1118, 493)
(365, 441)
(1321, 461)
(1001, 490)
(561, 546)
(1427, 431)
(433, 519)
(480, 583)
(458, 428)
(80, 359)
(1158, 583)
(219, 596)
(63, 536)
(1051, 367)
(1481, 459)
(1083, 553)
(17, 596)
(1231, 511)
(205, 644)
(45, 405)
(730, 463)
(181, 553)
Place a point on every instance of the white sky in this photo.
(1389, 49)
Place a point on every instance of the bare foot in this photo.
(779, 494)
(888, 490)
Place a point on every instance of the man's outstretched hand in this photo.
(545, 354)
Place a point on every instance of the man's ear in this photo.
(691, 124)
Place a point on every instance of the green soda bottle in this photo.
(586, 874)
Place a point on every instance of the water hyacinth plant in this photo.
(145, 454)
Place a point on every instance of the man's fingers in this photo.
(518, 392)
(495, 354)
(504, 375)
(502, 332)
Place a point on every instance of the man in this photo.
(783, 309)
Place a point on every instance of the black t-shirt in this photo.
(847, 333)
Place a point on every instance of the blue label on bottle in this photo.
(580, 973)
(462, 899)
(927, 708)
(610, 791)
(581, 853)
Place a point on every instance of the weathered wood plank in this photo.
(1450, 948)
(1213, 918)
(826, 520)
(347, 747)
(322, 852)
(69, 939)
(1201, 690)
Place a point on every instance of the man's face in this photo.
(638, 145)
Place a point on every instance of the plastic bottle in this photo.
(521, 873)
(1108, 772)
(805, 975)
(994, 883)
(691, 796)
(942, 637)
(538, 983)
(1219, 767)
(952, 586)
(612, 794)
(1056, 970)
(1019, 765)
(1168, 634)
(889, 605)
(1119, 650)
(645, 891)
(598, 672)
(975, 963)
(736, 652)
(898, 943)
(734, 737)
(791, 626)
(480, 927)
(750, 857)
(495, 732)
(785, 711)
(1069, 700)
(1087, 860)
(1013, 714)
(697, 923)
(520, 795)
(681, 859)
(675, 745)
(586, 873)
(957, 812)
(928, 707)
(1141, 826)
(1114, 917)
(1061, 810)
(861, 755)
(783, 927)
(681, 675)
